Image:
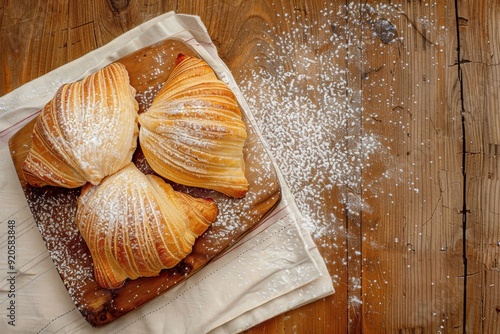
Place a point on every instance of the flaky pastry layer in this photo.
(193, 133)
(86, 132)
(135, 225)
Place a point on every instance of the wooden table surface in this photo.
(384, 117)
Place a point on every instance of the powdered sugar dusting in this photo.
(310, 114)
(56, 209)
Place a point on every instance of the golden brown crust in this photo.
(135, 225)
(86, 132)
(193, 133)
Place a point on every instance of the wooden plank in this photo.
(479, 46)
(412, 265)
(353, 179)
(489, 199)
(32, 34)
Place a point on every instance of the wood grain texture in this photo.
(412, 250)
(480, 81)
(424, 93)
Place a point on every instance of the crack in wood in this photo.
(467, 61)
(469, 274)
(458, 22)
(365, 75)
(422, 34)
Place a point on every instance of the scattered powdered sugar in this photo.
(311, 114)
(146, 97)
(330, 99)
(53, 210)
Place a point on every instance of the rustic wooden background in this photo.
(409, 224)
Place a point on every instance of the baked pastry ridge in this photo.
(193, 133)
(135, 225)
(87, 131)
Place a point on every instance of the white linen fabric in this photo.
(275, 268)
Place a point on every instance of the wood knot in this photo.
(463, 22)
(384, 30)
(119, 5)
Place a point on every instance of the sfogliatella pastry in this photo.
(136, 225)
(193, 133)
(87, 131)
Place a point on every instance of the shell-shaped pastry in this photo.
(193, 133)
(135, 225)
(87, 131)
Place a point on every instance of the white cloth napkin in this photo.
(273, 269)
